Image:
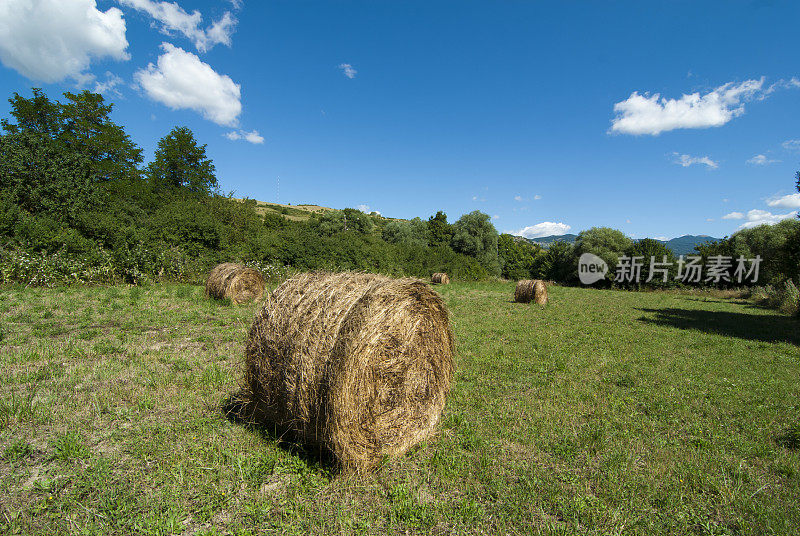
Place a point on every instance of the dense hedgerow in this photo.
(79, 204)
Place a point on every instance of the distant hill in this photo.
(683, 245)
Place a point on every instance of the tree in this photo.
(440, 233)
(518, 258)
(414, 232)
(474, 235)
(608, 244)
(180, 163)
(657, 251)
(56, 158)
(560, 262)
(87, 130)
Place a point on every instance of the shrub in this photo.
(789, 299)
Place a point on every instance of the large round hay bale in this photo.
(238, 283)
(356, 364)
(539, 292)
(523, 293)
(440, 279)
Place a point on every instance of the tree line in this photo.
(79, 203)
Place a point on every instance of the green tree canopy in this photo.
(608, 244)
(519, 259)
(440, 233)
(180, 163)
(414, 232)
(56, 158)
(474, 235)
(658, 252)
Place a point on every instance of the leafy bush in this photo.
(789, 299)
(784, 297)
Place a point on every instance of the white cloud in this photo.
(182, 81)
(518, 198)
(537, 197)
(546, 228)
(761, 160)
(348, 70)
(786, 201)
(109, 87)
(757, 217)
(709, 219)
(367, 210)
(50, 40)
(791, 145)
(252, 137)
(685, 160)
(174, 19)
(645, 114)
(733, 216)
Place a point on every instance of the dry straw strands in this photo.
(355, 364)
(440, 278)
(529, 290)
(238, 283)
(539, 292)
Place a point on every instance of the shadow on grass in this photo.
(791, 438)
(239, 410)
(736, 301)
(767, 328)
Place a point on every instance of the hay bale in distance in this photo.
(531, 290)
(238, 283)
(539, 292)
(355, 364)
(440, 279)
(523, 293)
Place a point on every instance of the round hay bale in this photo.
(539, 292)
(523, 293)
(238, 283)
(440, 279)
(356, 364)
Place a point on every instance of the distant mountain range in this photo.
(683, 245)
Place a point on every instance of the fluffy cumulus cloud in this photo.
(761, 160)
(240, 135)
(757, 217)
(174, 19)
(181, 81)
(686, 160)
(348, 70)
(786, 201)
(50, 40)
(733, 216)
(546, 228)
(109, 85)
(654, 114)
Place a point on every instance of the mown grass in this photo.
(604, 413)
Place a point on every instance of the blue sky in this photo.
(656, 118)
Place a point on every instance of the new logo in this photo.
(591, 268)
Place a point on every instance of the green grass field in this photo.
(604, 413)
